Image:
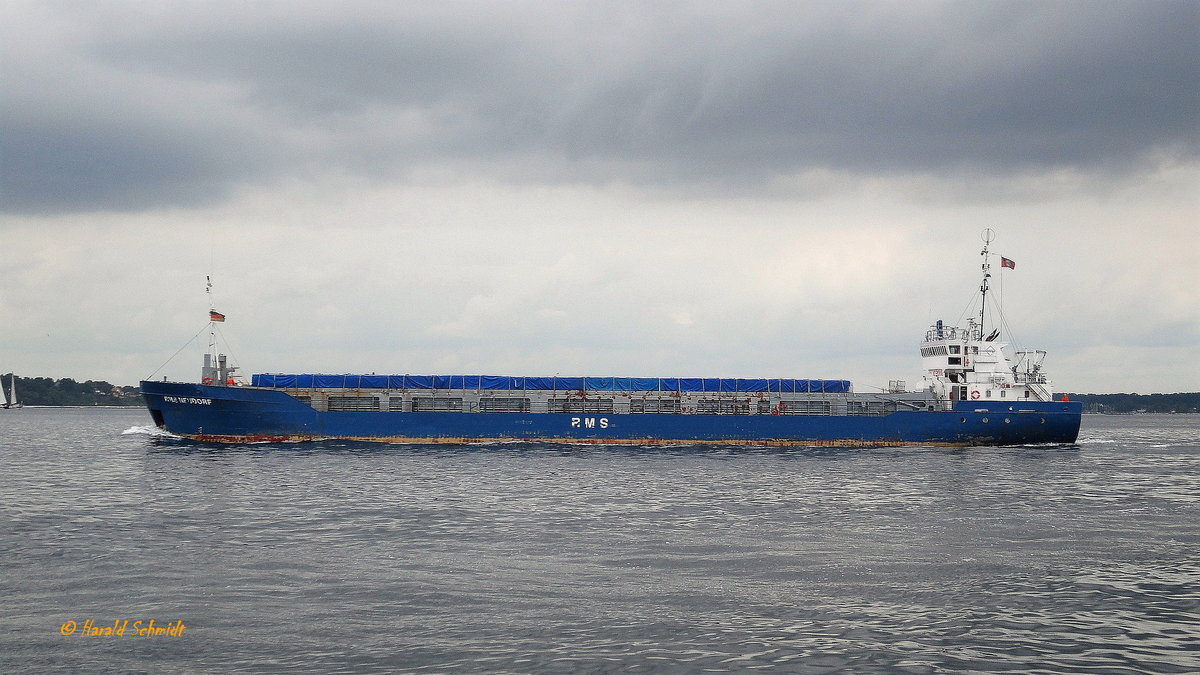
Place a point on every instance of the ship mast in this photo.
(215, 370)
(988, 235)
(212, 326)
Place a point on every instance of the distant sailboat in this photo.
(11, 401)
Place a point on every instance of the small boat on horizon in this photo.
(9, 402)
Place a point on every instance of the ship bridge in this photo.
(962, 364)
(970, 364)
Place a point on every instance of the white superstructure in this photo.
(961, 364)
(969, 364)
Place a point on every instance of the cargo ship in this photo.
(976, 390)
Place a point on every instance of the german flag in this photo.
(214, 315)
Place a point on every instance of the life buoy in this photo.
(206, 380)
(975, 394)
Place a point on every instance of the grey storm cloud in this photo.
(118, 108)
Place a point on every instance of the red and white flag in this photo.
(1005, 262)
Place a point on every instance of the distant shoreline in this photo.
(79, 407)
(1124, 404)
(1140, 412)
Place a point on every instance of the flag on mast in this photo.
(214, 315)
(1005, 262)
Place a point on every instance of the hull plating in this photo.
(247, 414)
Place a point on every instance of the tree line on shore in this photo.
(68, 392)
(1119, 404)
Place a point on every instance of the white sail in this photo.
(3, 399)
(12, 392)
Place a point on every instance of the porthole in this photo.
(1043, 420)
(1007, 421)
(985, 420)
(963, 420)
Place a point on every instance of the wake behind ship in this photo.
(976, 390)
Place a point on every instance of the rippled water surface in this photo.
(332, 557)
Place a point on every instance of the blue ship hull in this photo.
(253, 414)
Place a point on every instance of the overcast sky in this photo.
(741, 189)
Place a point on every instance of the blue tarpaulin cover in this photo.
(509, 383)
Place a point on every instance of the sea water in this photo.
(523, 557)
